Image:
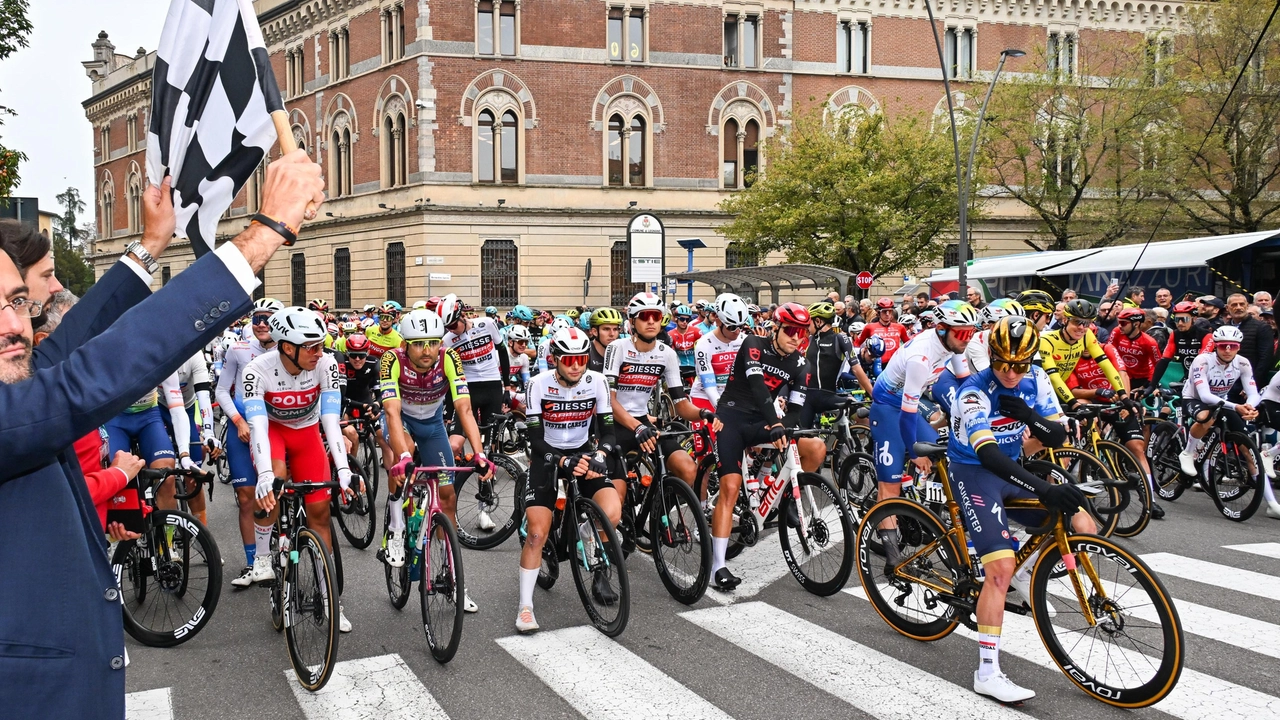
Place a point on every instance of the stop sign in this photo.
(864, 279)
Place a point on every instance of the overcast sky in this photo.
(45, 84)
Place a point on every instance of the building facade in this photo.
(503, 143)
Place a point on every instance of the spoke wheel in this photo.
(680, 539)
(501, 497)
(1136, 514)
(1229, 470)
(311, 612)
(819, 552)
(398, 582)
(166, 605)
(857, 482)
(1164, 441)
(442, 589)
(597, 553)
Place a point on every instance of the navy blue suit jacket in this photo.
(61, 633)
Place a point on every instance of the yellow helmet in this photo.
(1013, 339)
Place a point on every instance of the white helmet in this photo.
(560, 323)
(267, 305)
(421, 325)
(855, 329)
(956, 313)
(519, 333)
(644, 301)
(1000, 308)
(1228, 334)
(570, 341)
(449, 309)
(731, 310)
(296, 325)
(368, 323)
(420, 305)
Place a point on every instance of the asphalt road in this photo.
(771, 650)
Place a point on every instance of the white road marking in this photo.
(149, 705)
(1271, 550)
(603, 680)
(1197, 696)
(381, 687)
(868, 679)
(1223, 576)
(758, 566)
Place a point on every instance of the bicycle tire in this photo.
(1124, 464)
(359, 519)
(806, 553)
(322, 602)
(603, 556)
(686, 539)
(1076, 461)
(371, 468)
(398, 582)
(1227, 479)
(1163, 446)
(172, 578)
(443, 590)
(502, 490)
(857, 482)
(336, 553)
(936, 551)
(1077, 631)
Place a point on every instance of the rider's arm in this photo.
(389, 390)
(171, 392)
(226, 384)
(331, 411)
(796, 395)
(1050, 366)
(960, 366)
(604, 421)
(1249, 385)
(202, 384)
(1099, 356)
(973, 415)
(706, 373)
(542, 357)
(917, 374)
(255, 413)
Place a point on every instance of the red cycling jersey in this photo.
(1140, 356)
(683, 342)
(894, 336)
(1089, 376)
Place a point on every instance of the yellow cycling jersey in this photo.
(1059, 357)
(380, 342)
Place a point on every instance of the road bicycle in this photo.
(1134, 506)
(490, 509)
(357, 516)
(1106, 505)
(846, 437)
(1230, 468)
(170, 578)
(1103, 615)
(365, 419)
(433, 559)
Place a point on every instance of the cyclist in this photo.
(194, 386)
(518, 339)
(1187, 340)
(1038, 306)
(606, 325)
(827, 358)
(1138, 350)
(543, 357)
(383, 336)
(715, 352)
(484, 359)
(706, 313)
(1213, 375)
(415, 381)
(892, 333)
(993, 409)
(1061, 349)
(491, 312)
(562, 405)
(763, 370)
(360, 397)
(683, 338)
(991, 313)
(290, 393)
(143, 423)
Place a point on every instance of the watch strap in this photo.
(148, 262)
(289, 234)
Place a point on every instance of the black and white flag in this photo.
(212, 95)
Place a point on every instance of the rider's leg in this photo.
(813, 452)
(680, 464)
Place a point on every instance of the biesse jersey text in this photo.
(477, 347)
(634, 375)
(565, 414)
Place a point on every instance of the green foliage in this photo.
(69, 240)
(852, 192)
(14, 29)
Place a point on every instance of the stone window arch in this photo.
(966, 114)
(393, 136)
(850, 101)
(301, 126)
(628, 114)
(133, 194)
(341, 133)
(108, 204)
(740, 123)
(498, 138)
(1062, 124)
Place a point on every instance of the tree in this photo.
(14, 29)
(1227, 182)
(851, 191)
(1071, 144)
(69, 243)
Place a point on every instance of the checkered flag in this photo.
(212, 96)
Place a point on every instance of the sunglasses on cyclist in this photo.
(1183, 318)
(649, 316)
(1227, 346)
(423, 344)
(681, 318)
(313, 347)
(387, 318)
(261, 319)
(795, 331)
(1004, 366)
(358, 356)
(574, 361)
(963, 334)
(733, 328)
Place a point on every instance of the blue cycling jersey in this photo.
(976, 419)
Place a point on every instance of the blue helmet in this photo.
(684, 311)
(584, 321)
(874, 345)
(491, 311)
(522, 313)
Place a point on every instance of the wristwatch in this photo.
(148, 263)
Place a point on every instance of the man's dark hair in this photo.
(25, 245)
(1135, 290)
(922, 295)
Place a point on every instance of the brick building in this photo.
(505, 142)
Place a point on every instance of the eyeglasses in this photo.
(1226, 346)
(313, 347)
(963, 334)
(1126, 322)
(261, 319)
(1018, 367)
(358, 356)
(732, 328)
(24, 307)
(423, 344)
(1183, 318)
(795, 331)
(649, 316)
(683, 319)
(574, 361)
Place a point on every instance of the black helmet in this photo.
(1080, 309)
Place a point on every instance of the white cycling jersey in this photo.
(195, 373)
(520, 366)
(1211, 380)
(713, 360)
(478, 348)
(1272, 390)
(976, 352)
(634, 374)
(566, 413)
(913, 368)
(273, 395)
(229, 386)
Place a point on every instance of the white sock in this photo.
(528, 578)
(262, 540)
(395, 515)
(988, 651)
(719, 547)
(1193, 444)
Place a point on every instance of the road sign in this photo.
(646, 238)
(864, 279)
(441, 276)
(671, 286)
(435, 260)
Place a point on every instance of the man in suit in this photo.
(61, 634)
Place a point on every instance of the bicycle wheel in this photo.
(337, 554)
(1164, 442)
(277, 585)
(632, 537)
(857, 482)
(597, 553)
(371, 465)
(171, 588)
(358, 518)
(501, 498)
(441, 589)
(908, 597)
(1230, 470)
(680, 540)
(1124, 465)
(311, 611)
(1132, 655)
(1086, 467)
(820, 554)
(398, 582)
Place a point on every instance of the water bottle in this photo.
(979, 573)
(413, 527)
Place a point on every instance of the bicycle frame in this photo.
(766, 497)
(424, 484)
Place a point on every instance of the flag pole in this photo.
(284, 133)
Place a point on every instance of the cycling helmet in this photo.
(368, 322)
(1013, 339)
(367, 308)
(350, 327)
(1228, 334)
(754, 309)
(357, 344)
(791, 313)
(1185, 306)
(269, 305)
(560, 323)
(1001, 308)
(519, 333)
(606, 316)
(433, 303)
(421, 325)
(1080, 309)
(884, 303)
(319, 305)
(420, 305)
(331, 328)
(928, 316)
(855, 329)
(389, 307)
(666, 318)
(1132, 315)
(956, 313)
(823, 310)
(907, 319)
(874, 345)
(569, 341)
(449, 309)
(523, 313)
(702, 306)
(572, 313)
(295, 325)
(491, 311)
(731, 311)
(644, 301)
(1035, 300)
(684, 311)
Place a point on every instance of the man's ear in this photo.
(39, 336)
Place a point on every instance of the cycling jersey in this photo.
(380, 342)
(634, 374)
(1139, 355)
(193, 380)
(478, 347)
(976, 352)
(684, 342)
(976, 418)
(545, 359)
(713, 359)
(563, 414)
(1089, 375)
(894, 335)
(421, 395)
(361, 383)
(915, 368)
(229, 387)
(760, 375)
(595, 361)
(1211, 380)
(520, 368)
(828, 358)
(1180, 350)
(1059, 357)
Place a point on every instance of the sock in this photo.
(250, 551)
(395, 514)
(1151, 487)
(988, 651)
(1193, 444)
(528, 578)
(719, 547)
(262, 538)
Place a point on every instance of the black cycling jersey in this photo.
(1186, 345)
(596, 360)
(827, 354)
(361, 383)
(759, 375)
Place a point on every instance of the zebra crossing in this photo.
(596, 677)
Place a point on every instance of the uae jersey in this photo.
(477, 346)
(713, 359)
(634, 374)
(294, 401)
(565, 414)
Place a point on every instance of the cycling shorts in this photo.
(239, 458)
(980, 494)
(145, 428)
(196, 449)
(1269, 414)
(303, 452)
(433, 443)
(889, 451)
(816, 402)
(542, 480)
(1127, 429)
(1231, 420)
(740, 432)
(627, 442)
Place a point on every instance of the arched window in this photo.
(627, 144)
(509, 147)
(108, 208)
(340, 152)
(394, 144)
(484, 147)
(497, 140)
(739, 144)
(615, 150)
(729, 165)
(298, 278)
(134, 197)
(499, 273)
(635, 153)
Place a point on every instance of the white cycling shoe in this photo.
(1021, 583)
(525, 621)
(1187, 463)
(344, 625)
(262, 571)
(469, 605)
(395, 549)
(484, 522)
(1001, 688)
(245, 579)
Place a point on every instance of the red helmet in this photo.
(433, 302)
(1186, 306)
(357, 344)
(1132, 314)
(884, 303)
(791, 314)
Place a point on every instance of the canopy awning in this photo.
(777, 277)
